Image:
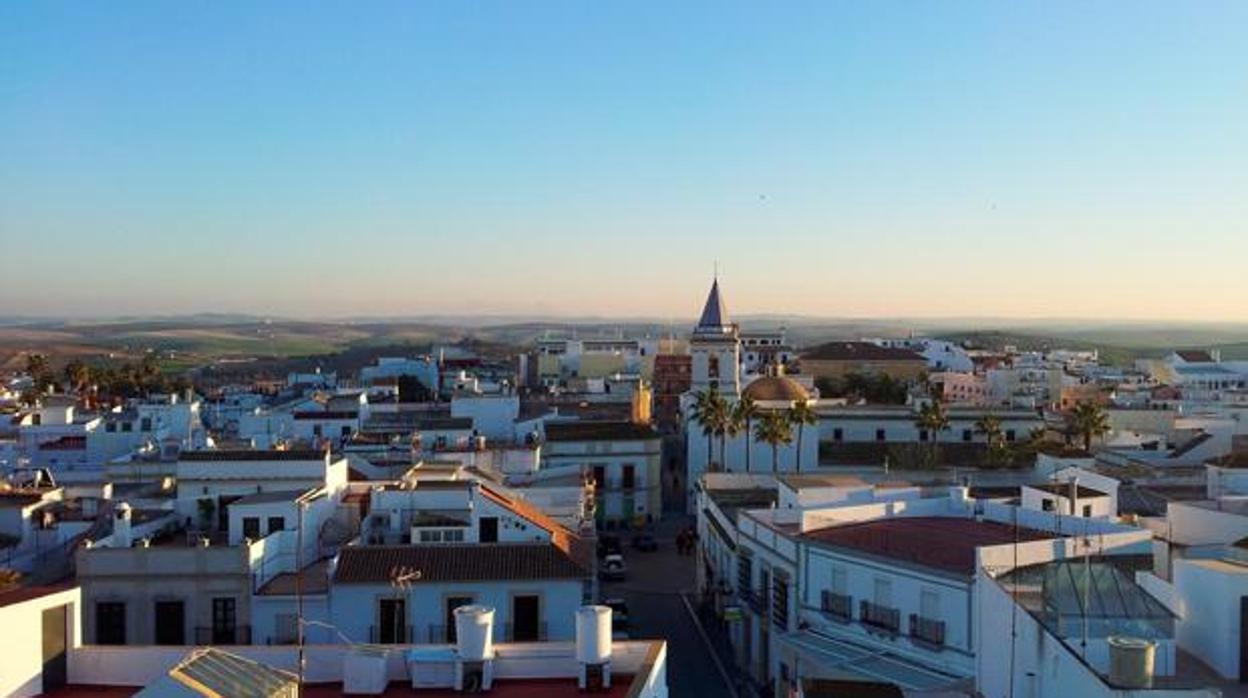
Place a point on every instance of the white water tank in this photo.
(593, 634)
(474, 632)
(1131, 661)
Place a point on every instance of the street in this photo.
(653, 590)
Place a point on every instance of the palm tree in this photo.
(990, 426)
(998, 453)
(933, 419)
(801, 416)
(775, 430)
(743, 415)
(710, 410)
(1089, 421)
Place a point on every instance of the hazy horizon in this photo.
(1058, 161)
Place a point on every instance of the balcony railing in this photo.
(879, 617)
(532, 634)
(400, 635)
(838, 607)
(927, 631)
(237, 635)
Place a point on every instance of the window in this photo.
(346, 431)
(922, 435)
(316, 429)
(840, 580)
(883, 592)
(224, 619)
(145, 424)
(110, 623)
(127, 426)
(600, 477)
(453, 536)
(712, 366)
(428, 536)
(1009, 435)
(1087, 511)
(929, 604)
(966, 435)
(251, 527)
(111, 427)
(780, 602)
(276, 523)
(629, 477)
(879, 435)
(838, 434)
(1046, 504)
(488, 529)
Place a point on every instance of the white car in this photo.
(612, 568)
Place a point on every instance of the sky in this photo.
(865, 159)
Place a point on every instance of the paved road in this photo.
(653, 591)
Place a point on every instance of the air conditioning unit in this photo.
(364, 672)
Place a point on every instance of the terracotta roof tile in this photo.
(942, 543)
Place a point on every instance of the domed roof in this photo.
(776, 389)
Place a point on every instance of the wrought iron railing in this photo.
(838, 607)
(928, 631)
(879, 617)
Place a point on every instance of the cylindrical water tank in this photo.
(593, 634)
(474, 631)
(1131, 661)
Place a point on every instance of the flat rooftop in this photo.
(503, 688)
(942, 543)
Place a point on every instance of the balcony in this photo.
(838, 607)
(880, 618)
(237, 635)
(927, 632)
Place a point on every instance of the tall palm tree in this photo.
(801, 416)
(933, 418)
(743, 415)
(712, 413)
(1089, 420)
(775, 430)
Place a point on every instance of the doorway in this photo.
(526, 615)
(170, 623)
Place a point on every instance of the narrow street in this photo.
(654, 592)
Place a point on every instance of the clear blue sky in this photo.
(1074, 159)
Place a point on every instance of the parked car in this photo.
(645, 542)
(609, 545)
(612, 568)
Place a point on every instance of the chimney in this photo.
(122, 535)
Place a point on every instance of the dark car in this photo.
(645, 543)
(612, 568)
(609, 545)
